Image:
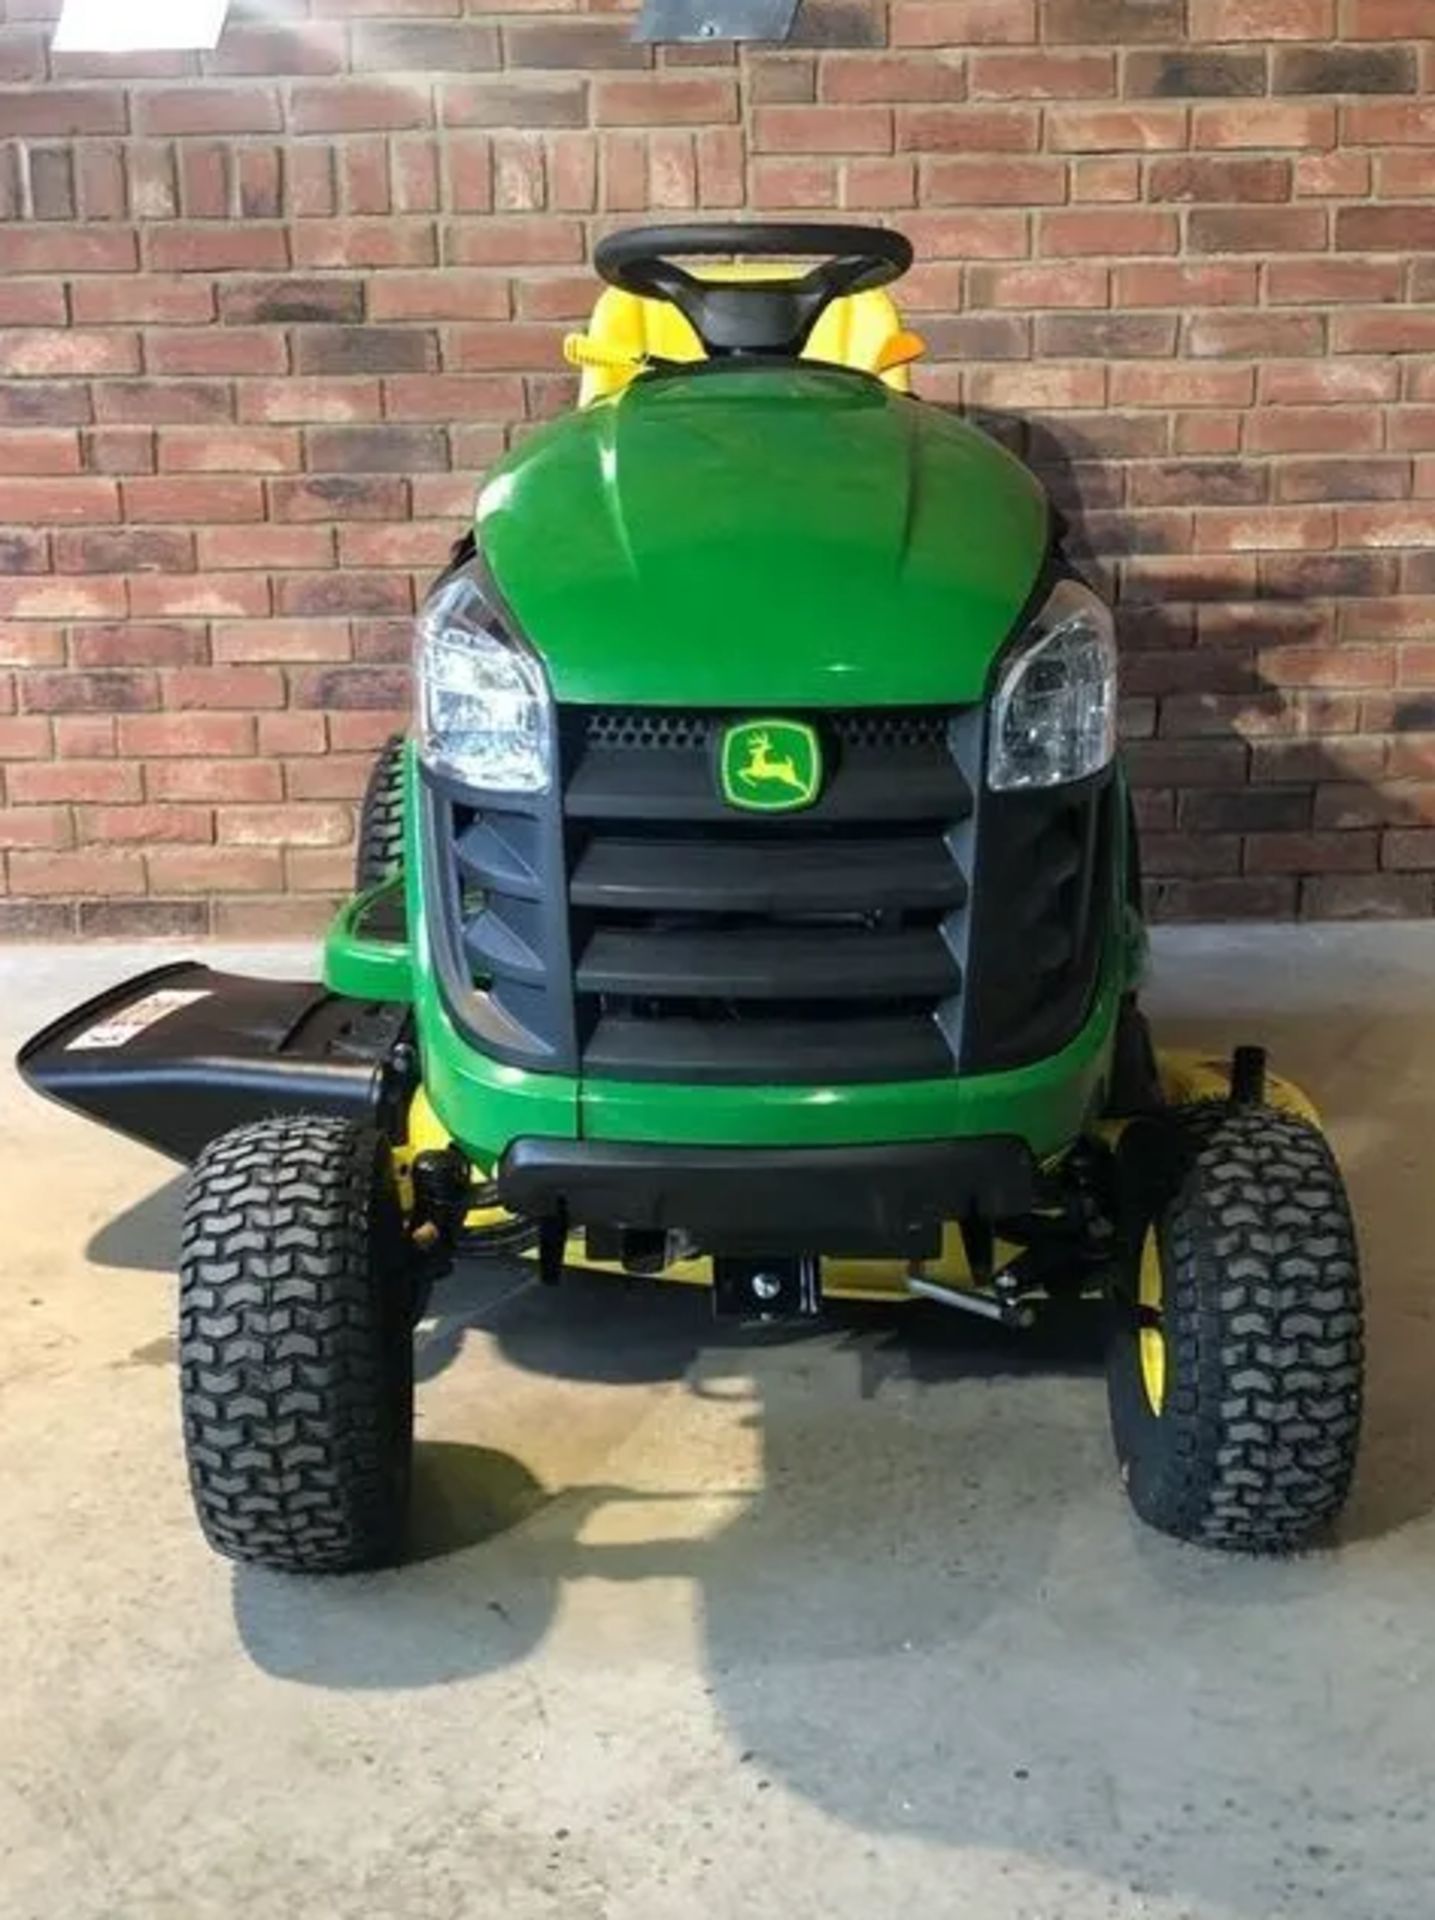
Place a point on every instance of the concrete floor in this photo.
(848, 1624)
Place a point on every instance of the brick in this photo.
(216, 249)
(134, 643)
(1381, 123)
(1264, 124)
(350, 107)
(881, 79)
(1041, 75)
(1197, 178)
(513, 102)
(1197, 482)
(793, 183)
(1385, 19)
(655, 100)
(294, 733)
(232, 450)
(199, 596)
(423, 544)
(1051, 284)
(453, 396)
(22, 598)
(43, 501)
(1384, 229)
(222, 547)
(206, 110)
(1388, 524)
(48, 450)
(1403, 175)
(338, 498)
(126, 550)
(513, 242)
(1306, 282)
(1106, 336)
(969, 129)
(1366, 897)
(1182, 386)
(1111, 230)
(1256, 230)
(1193, 74)
(428, 46)
(327, 595)
(383, 449)
(143, 300)
(1108, 129)
(364, 243)
(309, 399)
(977, 183)
(243, 642)
(89, 692)
(29, 644)
(24, 552)
(25, 738)
(185, 735)
(1344, 70)
(213, 780)
(943, 23)
(160, 497)
(206, 350)
(67, 249)
(1262, 19)
(1152, 283)
(30, 303)
(36, 919)
(1397, 330)
(34, 827)
(156, 822)
(1112, 22)
(27, 113)
(214, 870)
(99, 871)
(35, 783)
(1329, 382)
(1037, 387)
(290, 301)
(1245, 336)
(295, 824)
(1343, 479)
(817, 130)
(569, 44)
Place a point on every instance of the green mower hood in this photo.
(795, 536)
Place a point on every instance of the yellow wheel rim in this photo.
(1151, 1336)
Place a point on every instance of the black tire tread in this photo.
(379, 842)
(296, 1397)
(1263, 1320)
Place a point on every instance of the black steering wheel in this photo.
(752, 316)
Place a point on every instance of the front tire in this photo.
(296, 1347)
(379, 840)
(1234, 1369)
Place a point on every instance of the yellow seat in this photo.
(861, 330)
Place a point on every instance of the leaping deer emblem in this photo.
(763, 770)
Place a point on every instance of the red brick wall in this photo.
(265, 314)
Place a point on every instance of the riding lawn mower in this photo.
(756, 904)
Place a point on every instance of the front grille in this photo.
(634, 925)
(711, 943)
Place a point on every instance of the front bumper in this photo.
(734, 1199)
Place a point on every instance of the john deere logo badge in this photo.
(770, 766)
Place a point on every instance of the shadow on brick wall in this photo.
(1258, 790)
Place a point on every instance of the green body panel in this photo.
(794, 536)
(363, 968)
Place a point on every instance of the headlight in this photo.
(1054, 714)
(483, 708)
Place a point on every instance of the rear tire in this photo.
(1235, 1384)
(379, 845)
(296, 1347)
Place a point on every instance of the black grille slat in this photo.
(772, 875)
(758, 963)
(900, 1047)
(674, 783)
